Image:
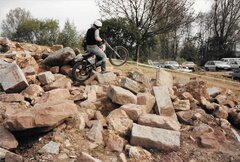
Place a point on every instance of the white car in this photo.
(217, 65)
(190, 65)
(171, 65)
(234, 64)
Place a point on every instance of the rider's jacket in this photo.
(90, 37)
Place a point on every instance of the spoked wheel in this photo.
(119, 56)
(81, 71)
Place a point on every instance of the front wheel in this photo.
(81, 71)
(119, 56)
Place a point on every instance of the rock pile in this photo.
(111, 118)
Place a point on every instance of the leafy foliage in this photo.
(43, 32)
(13, 19)
(69, 37)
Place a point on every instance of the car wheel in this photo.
(207, 69)
(217, 69)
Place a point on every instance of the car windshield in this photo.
(172, 62)
(220, 62)
(188, 63)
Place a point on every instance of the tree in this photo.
(42, 32)
(69, 36)
(150, 17)
(13, 19)
(225, 20)
(118, 31)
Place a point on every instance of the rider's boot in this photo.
(103, 67)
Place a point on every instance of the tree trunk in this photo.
(137, 54)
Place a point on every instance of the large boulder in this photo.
(60, 57)
(12, 78)
(121, 96)
(157, 121)
(119, 121)
(157, 138)
(47, 114)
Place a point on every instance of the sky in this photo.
(81, 12)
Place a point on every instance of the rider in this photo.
(93, 41)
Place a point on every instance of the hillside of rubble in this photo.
(122, 115)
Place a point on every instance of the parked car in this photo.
(236, 74)
(154, 63)
(171, 65)
(184, 69)
(190, 65)
(234, 64)
(216, 65)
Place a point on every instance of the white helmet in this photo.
(97, 23)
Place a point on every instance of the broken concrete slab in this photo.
(164, 105)
(13, 79)
(164, 78)
(181, 105)
(106, 77)
(121, 96)
(51, 148)
(54, 95)
(157, 121)
(140, 77)
(130, 84)
(146, 99)
(7, 140)
(161, 139)
(46, 77)
(86, 157)
(12, 97)
(119, 121)
(95, 133)
(134, 111)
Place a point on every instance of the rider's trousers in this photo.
(100, 54)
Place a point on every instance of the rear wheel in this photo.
(119, 56)
(81, 71)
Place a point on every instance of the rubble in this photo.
(48, 114)
(64, 121)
